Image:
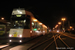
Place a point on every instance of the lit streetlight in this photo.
(59, 25)
(2, 18)
(71, 27)
(56, 27)
(63, 19)
(53, 28)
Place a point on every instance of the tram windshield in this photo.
(20, 23)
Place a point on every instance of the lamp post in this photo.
(59, 25)
(71, 27)
(63, 19)
(56, 27)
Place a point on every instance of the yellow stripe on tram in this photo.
(15, 34)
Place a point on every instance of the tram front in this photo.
(20, 24)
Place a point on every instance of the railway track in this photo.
(62, 45)
(53, 43)
(10, 45)
(45, 44)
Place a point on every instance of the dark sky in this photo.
(48, 12)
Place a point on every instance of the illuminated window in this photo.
(16, 21)
(18, 15)
(32, 23)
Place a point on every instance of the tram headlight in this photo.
(10, 40)
(10, 35)
(20, 35)
(20, 40)
(30, 31)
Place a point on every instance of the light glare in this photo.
(10, 35)
(10, 40)
(20, 41)
(20, 35)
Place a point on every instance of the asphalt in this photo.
(26, 46)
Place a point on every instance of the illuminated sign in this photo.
(18, 15)
(34, 29)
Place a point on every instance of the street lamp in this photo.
(59, 25)
(71, 27)
(56, 27)
(2, 18)
(63, 19)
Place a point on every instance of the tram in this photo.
(2, 29)
(25, 25)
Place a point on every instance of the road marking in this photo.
(2, 46)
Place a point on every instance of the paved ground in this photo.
(63, 41)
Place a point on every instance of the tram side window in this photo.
(32, 24)
(27, 24)
(18, 24)
(36, 25)
(39, 27)
(1, 28)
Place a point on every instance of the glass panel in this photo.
(18, 11)
(20, 22)
(18, 15)
(1, 28)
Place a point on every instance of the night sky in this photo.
(48, 12)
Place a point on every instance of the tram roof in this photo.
(33, 18)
